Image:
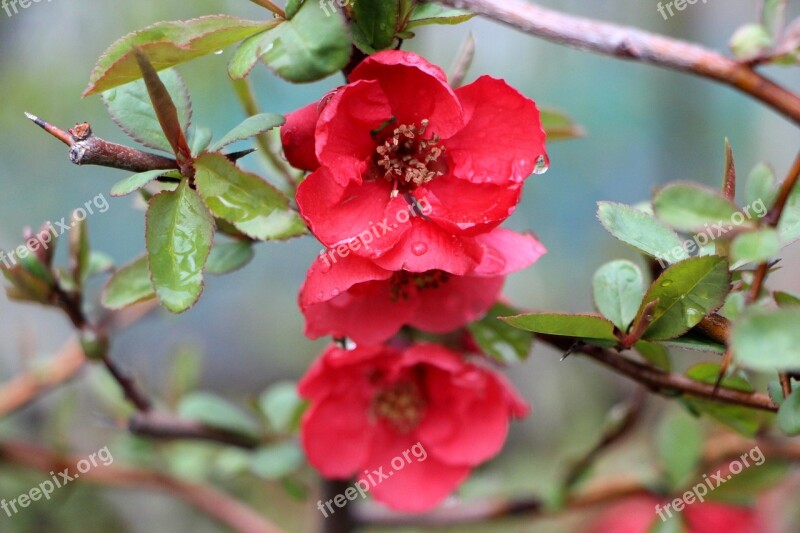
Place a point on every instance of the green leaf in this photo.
(579, 326)
(692, 341)
(135, 182)
(309, 47)
(246, 56)
(775, 392)
(690, 207)
(229, 257)
(282, 406)
(768, 340)
(130, 107)
(252, 205)
(559, 126)
(789, 225)
(654, 353)
(430, 13)
(642, 231)
(249, 128)
(99, 263)
(79, 250)
(686, 292)
(498, 339)
(179, 234)
(761, 188)
(755, 247)
(218, 413)
(292, 7)
(168, 44)
(277, 460)
(377, 22)
(618, 289)
(679, 441)
(741, 419)
(750, 41)
(758, 476)
(789, 414)
(129, 285)
(201, 138)
(784, 299)
(773, 16)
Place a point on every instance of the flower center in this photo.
(408, 159)
(402, 405)
(402, 281)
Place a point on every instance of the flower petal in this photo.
(506, 251)
(297, 137)
(455, 303)
(503, 135)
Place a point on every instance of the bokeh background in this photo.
(645, 126)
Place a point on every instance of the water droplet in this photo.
(320, 296)
(335, 292)
(693, 316)
(419, 248)
(218, 52)
(542, 165)
(326, 267)
(666, 283)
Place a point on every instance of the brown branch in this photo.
(130, 389)
(662, 382)
(160, 425)
(634, 44)
(216, 504)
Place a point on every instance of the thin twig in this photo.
(215, 503)
(631, 43)
(160, 425)
(271, 6)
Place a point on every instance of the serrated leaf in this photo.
(789, 414)
(282, 406)
(679, 440)
(252, 205)
(761, 188)
(135, 182)
(130, 107)
(251, 127)
(377, 21)
(218, 413)
(168, 44)
(201, 138)
(641, 230)
(430, 13)
(498, 339)
(690, 207)
(785, 299)
(755, 247)
(567, 325)
(686, 292)
(179, 235)
(768, 340)
(229, 257)
(751, 40)
(559, 126)
(692, 341)
(129, 285)
(618, 289)
(246, 57)
(309, 47)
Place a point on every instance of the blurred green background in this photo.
(645, 126)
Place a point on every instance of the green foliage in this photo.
(767, 340)
(251, 127)
(277, 460)
(135, 182)
(741, 419)
(498, 339)
(689, 207)
(559, 126)
(751, 40)
(785, 299)
(639, 230)
(218, 413)
(375, 23)
(432, 13)
(761, 185)
(252, 205)
(582, 326)
(655, 354)
(130, 107)
(229, 257)
(179, 235)
(168, 44)
(129, 285)
(789, 414)
(685, 293)
(282, 406)
(618, 289)
(755, 246)
(679, 441)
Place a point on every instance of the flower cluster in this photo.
(395, 138)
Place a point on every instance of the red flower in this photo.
(398, 135)
(410, 425)
(349, 296)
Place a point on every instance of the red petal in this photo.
(331, 275)
(506, 251)
(297, 137)
(363, 214)
(503, 136)
(343, 138)
(427, 247)
(457, 302)
(416, 90)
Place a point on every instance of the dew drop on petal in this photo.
(335, 292)
(542, 165)
(320, 296)
(218, 52)
(419, 248)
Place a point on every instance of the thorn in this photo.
(59, 134)
(572, 349)
(235, 156)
